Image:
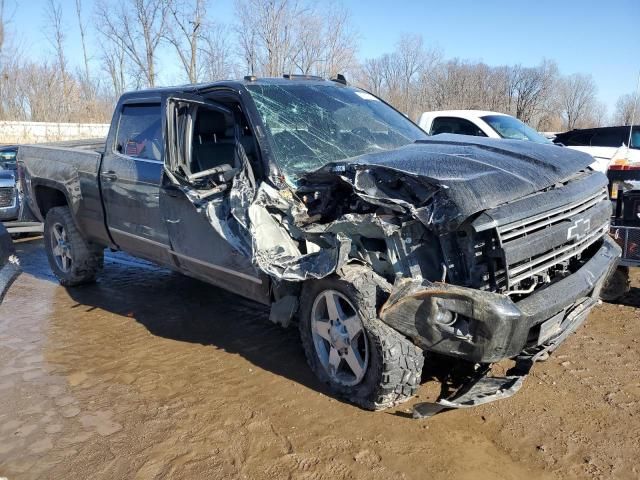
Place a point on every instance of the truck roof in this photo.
(468, 114)
(234, 84)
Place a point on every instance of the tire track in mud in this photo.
(148, 374)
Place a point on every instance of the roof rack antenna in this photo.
(340, 78)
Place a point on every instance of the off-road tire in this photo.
(87, 259)
(395, 364)
(617, 285)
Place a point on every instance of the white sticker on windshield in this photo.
(366, 96)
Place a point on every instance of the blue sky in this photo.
(589, 36)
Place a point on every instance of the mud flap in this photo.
(482, 389)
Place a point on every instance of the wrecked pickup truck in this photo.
(321, 200)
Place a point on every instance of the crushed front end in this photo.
(512, 276)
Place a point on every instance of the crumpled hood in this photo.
(473, 173)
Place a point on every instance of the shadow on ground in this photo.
(177, 307)
(180, 308)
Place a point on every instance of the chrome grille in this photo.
(537, 222)
(7, 195)
(538, 244)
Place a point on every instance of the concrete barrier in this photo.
(40, 132)
(9, 264)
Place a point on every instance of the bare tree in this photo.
(56, 36)
(139, 26)
(370, 76)
(340, 42)
(530, 87)
(83, 39)
(577, 94)
(266, 34)
(627, 109)
(324, 43)
(56, 33)
(2, 24)
(186, 32)
(114, 61)
(216, 53)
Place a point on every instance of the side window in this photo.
(608, 138)
(455, 125)
(140, 131)
(578, 140)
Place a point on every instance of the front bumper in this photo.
(485, 327)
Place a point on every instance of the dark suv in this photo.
(600, 137)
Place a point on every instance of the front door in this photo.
(205, 238)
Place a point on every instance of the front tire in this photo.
(72, 259)
(617, 285)
(350, 349)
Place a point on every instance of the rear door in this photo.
(206, 240)
(130, 178)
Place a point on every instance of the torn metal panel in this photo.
(274, 234)
(478, 391)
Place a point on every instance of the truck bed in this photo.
(71, 167)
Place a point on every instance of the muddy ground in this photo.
(148, 374)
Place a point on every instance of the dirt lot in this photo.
(149, 374)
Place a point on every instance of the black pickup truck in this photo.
(321, 200)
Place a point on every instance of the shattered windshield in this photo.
(312, 125)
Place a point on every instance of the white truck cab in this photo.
(480, 123)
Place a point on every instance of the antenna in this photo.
(633, 112)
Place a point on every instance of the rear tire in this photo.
(392, 365)
(617, 285)
(73, 260)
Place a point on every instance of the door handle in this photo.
(109, 176)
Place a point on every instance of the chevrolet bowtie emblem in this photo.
(579, 229)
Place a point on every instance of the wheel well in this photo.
(48, 197)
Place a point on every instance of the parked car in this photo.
(608, 145)
(322, 201)
(9, 198)
(479, 123)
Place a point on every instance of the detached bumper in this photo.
(486, 327)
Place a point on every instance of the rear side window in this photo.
(140, 132)
(455, 125)
(576, 139)
(609, 138)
